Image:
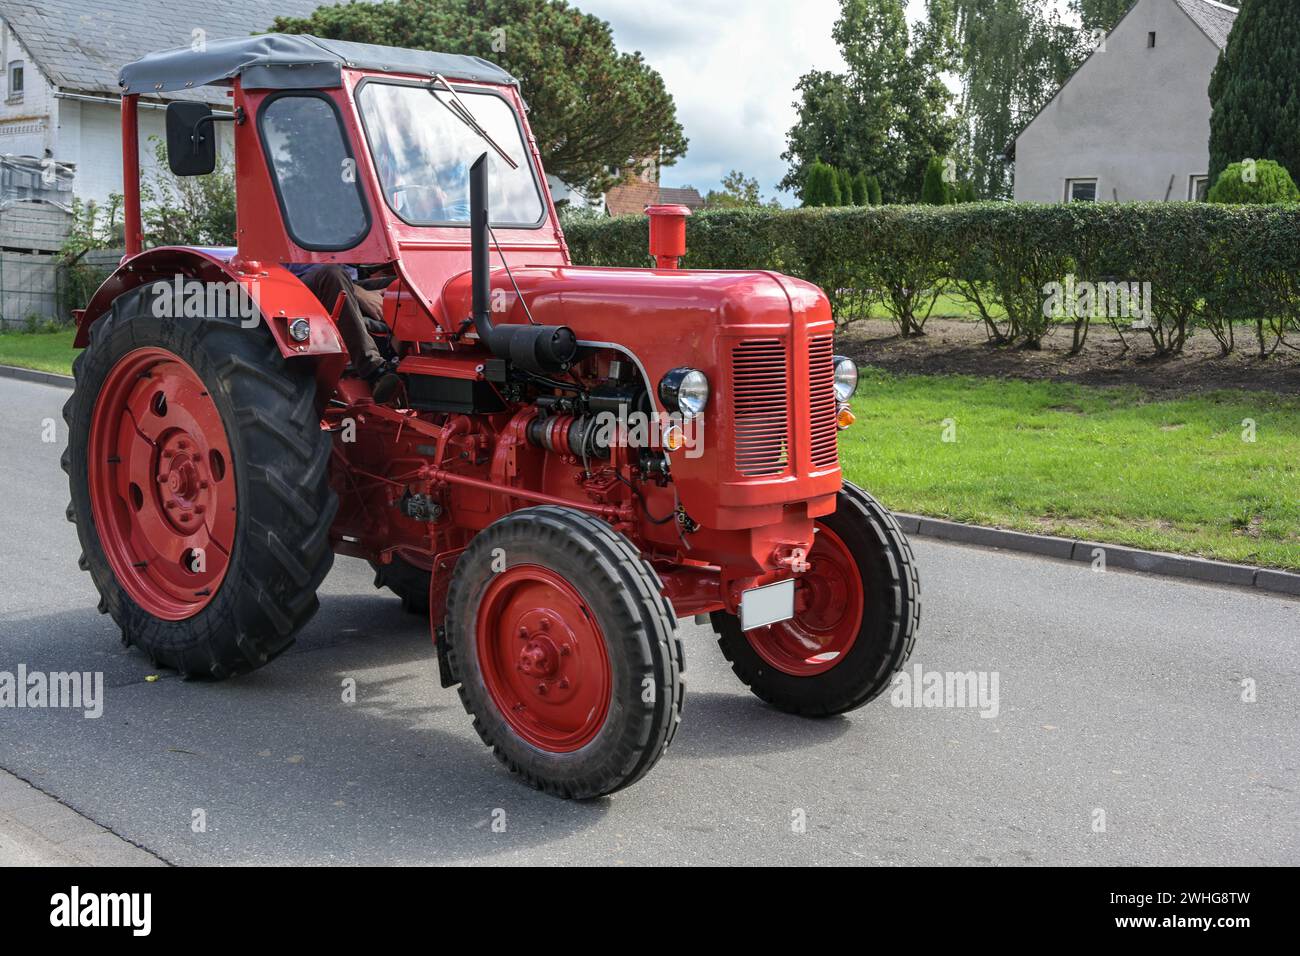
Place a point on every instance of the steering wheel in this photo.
(437, 211)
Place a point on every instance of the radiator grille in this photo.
(760, 400)
(821, 397)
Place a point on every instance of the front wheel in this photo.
(566, 651)
(856, 614)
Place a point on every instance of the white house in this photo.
(1133, 122)
(59, 97)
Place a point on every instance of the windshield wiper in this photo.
(462, 112)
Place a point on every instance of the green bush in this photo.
(1256, 183)
(1197, 265)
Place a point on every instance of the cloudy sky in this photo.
(731, 65)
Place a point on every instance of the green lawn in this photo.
(948, 305)
(1103, 464)
(45, 351)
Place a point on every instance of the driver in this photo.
(363, 311)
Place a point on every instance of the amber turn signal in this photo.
(845, 418)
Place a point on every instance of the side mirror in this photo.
(191, 139)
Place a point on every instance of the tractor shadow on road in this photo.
(720, 725)
(282, 761)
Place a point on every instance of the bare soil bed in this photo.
(957, 347)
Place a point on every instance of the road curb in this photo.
(1114, 555)
(37, 829)
(31, 375)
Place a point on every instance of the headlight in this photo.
(846, 378)
(684, 390)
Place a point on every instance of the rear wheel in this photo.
(856, 614)
(566, 651)
(197, 467)
(408, 576)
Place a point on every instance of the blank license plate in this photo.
(767, 605)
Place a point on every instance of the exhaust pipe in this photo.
(536, 348)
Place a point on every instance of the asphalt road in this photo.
(1116, 692)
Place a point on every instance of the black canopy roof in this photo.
(284, 61)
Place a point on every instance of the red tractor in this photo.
(575, 459)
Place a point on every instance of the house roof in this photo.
(284, 61)
(81, 45)
(688, 196)
(1215, 19)
(632, 197)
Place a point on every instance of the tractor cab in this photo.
(353, 154)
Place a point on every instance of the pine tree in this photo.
(1255, 90)
(935, 191)
(846, 186)
(822, 187)
(874, 193)
(861, 191)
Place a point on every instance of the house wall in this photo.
(84, 133)
(1131, 117)
(27, 124)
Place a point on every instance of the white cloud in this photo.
(731, 67)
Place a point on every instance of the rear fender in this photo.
(276, 292)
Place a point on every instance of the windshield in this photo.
(423, 154)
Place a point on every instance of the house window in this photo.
(15, 79)
(1151, 40)
(1081, 190)
(1198, 188)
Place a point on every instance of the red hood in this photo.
(666, 317)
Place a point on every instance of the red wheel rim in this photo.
(829, 605)
(543, 658)
(162, 483)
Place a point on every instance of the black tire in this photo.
(407, 581)
(281, 549)
(892, 614)
(626, 601)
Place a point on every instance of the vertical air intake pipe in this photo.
(536, 348)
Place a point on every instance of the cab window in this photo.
(314, 171)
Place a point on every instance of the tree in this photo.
(1011, 57)
(1101, 15)
(188, 210)
(1255, 89)
(873, 191)
(861, 190)
(1255, 182)
(566, 62)
(845, 180)
(738, 192)
(888, 113)
(822, 187)
(936, 191)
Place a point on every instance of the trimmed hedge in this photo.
(1207, 265)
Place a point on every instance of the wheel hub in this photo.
(183, 481)
(161, 486)
(543, 658)
(829, 608)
